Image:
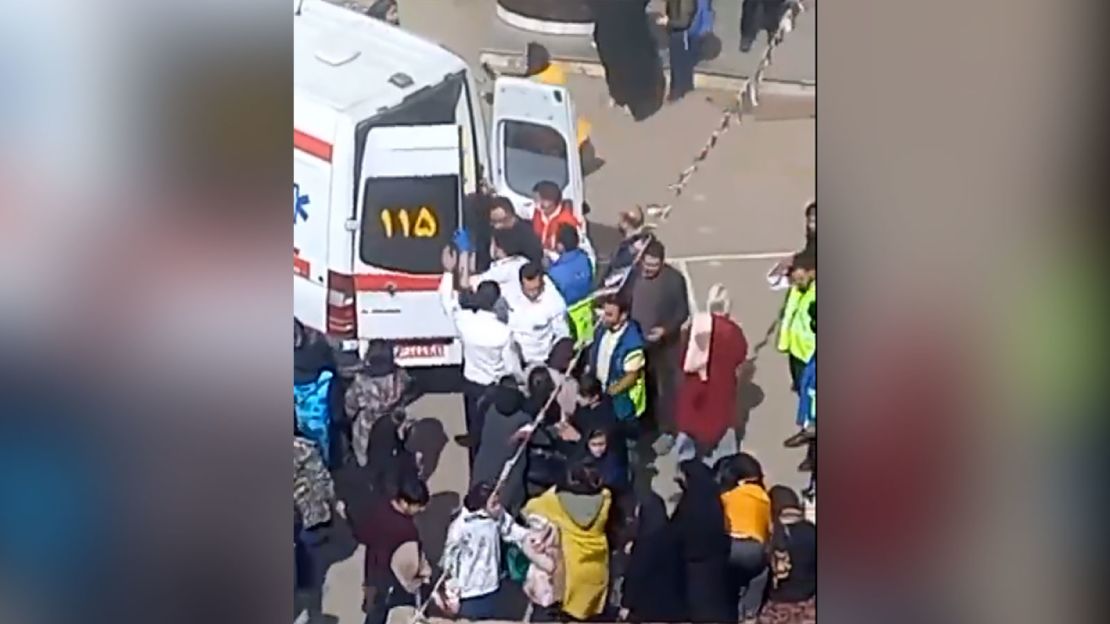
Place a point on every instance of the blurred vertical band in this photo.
(961, 329)
(143, 473)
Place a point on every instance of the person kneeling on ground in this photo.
(792, 599)
(748, 515)
(472, 555)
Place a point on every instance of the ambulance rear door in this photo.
(410, 204)
(533, 138)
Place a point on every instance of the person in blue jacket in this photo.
(315, 391)
(806, 417)
(617, 360)
(572, 272)
(573, 276)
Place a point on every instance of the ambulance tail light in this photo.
(342, 320)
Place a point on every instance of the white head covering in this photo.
(701, 332)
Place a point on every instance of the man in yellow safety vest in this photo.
(796, 336)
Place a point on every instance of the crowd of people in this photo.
(587, 376)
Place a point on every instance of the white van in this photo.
(388, 137)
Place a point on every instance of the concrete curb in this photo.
(513, 63)
(532, 24)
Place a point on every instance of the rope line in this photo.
(747, 99)
(522, 446)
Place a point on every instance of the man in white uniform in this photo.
(538, 317)
(487, 344)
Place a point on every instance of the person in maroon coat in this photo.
(714, 348)
(394, 567)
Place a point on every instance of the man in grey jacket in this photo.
(661, 306)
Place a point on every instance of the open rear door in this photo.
(409, 205)
(534, 138)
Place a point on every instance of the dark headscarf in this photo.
(507, 401)
(387, 455)
(783, 498)
(562, 353)
(735, 469)
(540, 388)
(311, 354)
(582, 478)
(652, 517)
(654, 579)
(699, 521)
(379, 360)
(700, 517)
(612, 465)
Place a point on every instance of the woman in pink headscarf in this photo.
(715, 348)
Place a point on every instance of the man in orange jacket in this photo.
(551, 213)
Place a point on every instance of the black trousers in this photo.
(384, 601)
(475, 403)
(662, 387)
(757, 15)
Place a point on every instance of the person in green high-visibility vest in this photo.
(796, 336)
(616, 358)
(573, 275)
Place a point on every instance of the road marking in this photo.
(760, 255)
(683, 265)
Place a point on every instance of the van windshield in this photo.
(534, 153)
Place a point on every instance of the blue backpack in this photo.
(702, 22)
(313, 412)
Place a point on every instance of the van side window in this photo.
(533, 153)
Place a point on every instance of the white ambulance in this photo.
(388, 137)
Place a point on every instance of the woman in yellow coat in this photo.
(580, 509)
(542, 70)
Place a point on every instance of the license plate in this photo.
(420, 351)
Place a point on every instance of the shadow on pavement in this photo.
(710, 48)
(428, 439)
(749, 396)
(433, 522)
(312, 562)
(438, 379)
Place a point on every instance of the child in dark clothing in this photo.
(595, 413)
(613, 467)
